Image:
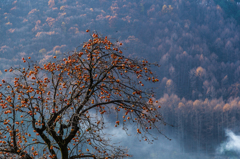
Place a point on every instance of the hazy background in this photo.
(196, 42)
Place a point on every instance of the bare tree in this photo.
(57, 100)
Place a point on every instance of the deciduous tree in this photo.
(48, 110)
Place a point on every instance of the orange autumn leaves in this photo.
(97, 70)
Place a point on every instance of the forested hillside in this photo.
(195, 42)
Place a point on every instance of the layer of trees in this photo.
(200, 125)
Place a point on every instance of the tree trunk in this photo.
(64, 152)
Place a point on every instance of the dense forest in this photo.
(195, 42)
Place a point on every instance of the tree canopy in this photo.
(64, 102)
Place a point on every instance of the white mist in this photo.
(231, 144)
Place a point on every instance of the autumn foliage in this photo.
(48, 110)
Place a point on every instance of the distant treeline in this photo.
(200, 125)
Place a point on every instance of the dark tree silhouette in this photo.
(57, 102)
